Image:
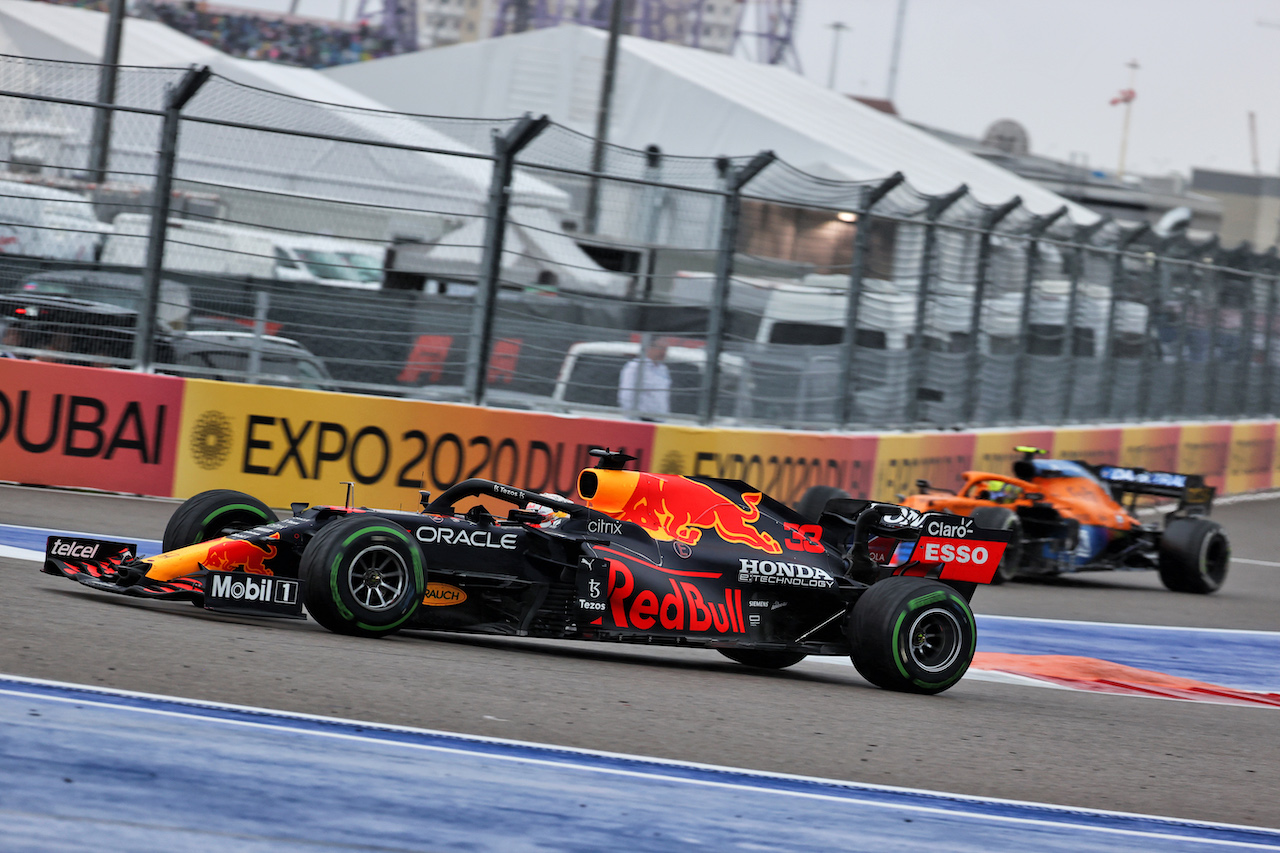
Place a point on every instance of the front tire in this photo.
(999, 518)
(364, 576)
(912, 635)
(214, 513)
(762, 658)
(1194, 554)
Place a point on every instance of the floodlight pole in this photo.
(837, 29)
(100, 141)
(898, 27)
(602, 117)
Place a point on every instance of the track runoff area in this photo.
(114, 770)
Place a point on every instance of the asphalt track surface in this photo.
(1188, 760)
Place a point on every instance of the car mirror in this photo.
(1034, 496)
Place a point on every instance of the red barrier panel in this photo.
(89, 427)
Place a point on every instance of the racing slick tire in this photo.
(763, 658)
(211, 514)
(913, 635)
(363, 576)
(1194, 554)
(815, 498)
(999, 518)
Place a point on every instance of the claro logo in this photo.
(443, 595)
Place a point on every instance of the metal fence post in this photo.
(1248, 326)
(1213, 287)
(505, 148)
(1109, 354)
(1084, 235)
(937, 207)
(730, 219)
(1267, 356)
(175, 99)
(853, 305)
(1178, 402)
(1154, 316)
(1028, 291)
(989, 223)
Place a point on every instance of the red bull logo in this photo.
(683, 608)
(219, 555)
(676, 508)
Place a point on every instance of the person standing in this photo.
(644, 385)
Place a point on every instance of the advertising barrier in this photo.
(63, 425)
(286, 445)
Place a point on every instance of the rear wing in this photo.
(901, 540)
(1193, 496)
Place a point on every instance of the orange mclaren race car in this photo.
(1067, 516)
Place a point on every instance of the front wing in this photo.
(115, 567)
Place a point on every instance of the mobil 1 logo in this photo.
(258, 595)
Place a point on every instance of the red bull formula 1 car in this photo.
(645, 558)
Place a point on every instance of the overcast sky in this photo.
(1054, 66)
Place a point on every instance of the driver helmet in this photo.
(545, 511)
(997, 490)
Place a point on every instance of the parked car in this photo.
(72, 331)
(124, 290)
(242, 356)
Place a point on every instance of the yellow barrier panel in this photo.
(994, 451)
(1249, 461)
(1152, 447)
(939, 458)
(1204, 449)
(286, 445)
(783, 464)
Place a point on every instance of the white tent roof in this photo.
(689, 102)
(50, 31)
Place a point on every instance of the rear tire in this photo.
(1194, 554)
(999, 518)
(214, 513)
(763, 659)
(363, 576)
(815, 498)
(913, 635)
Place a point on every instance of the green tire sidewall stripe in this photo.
(915, 604)
(227, 508)
(337, 560)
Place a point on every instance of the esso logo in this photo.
(950, 552)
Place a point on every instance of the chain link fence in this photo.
(256, 236)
